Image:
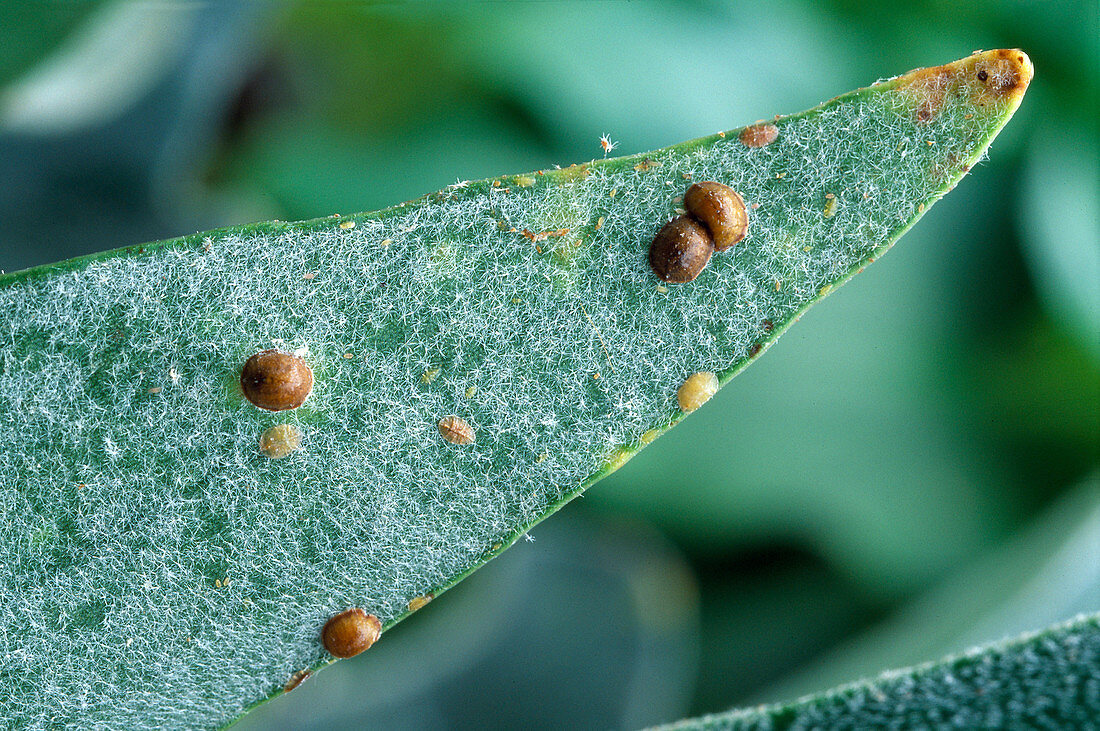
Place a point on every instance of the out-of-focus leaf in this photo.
(1048, 572)
(124, 164)
(1060, 216)
(1050, 679)
(116, 57)
(33, 29)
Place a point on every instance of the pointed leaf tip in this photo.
(994, 81)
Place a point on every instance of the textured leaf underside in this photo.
(1047, 680)
(159, 572)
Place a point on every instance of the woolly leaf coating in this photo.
(160, 572)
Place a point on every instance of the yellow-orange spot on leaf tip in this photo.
(985, 78)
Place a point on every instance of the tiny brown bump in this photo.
(768, 325)
(418, 602)
(350, 632)
(720, 209)
(755, 350)
(276, 381)
(680, 250)
(758, 135)
(280, 440)
(296, 679)
(456, 430)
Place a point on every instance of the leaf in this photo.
(1048, 679)
(162, 572)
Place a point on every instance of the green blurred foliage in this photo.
(886, 485)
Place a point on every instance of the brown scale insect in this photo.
(418, 602)
(680, 250)
(276, 381)
(456, 430)
(350, 632)
(296, 679)
(758, 135)
(720, 209)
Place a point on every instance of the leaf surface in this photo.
(161, 572)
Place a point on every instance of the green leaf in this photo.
(1050, 679)
(162, 572)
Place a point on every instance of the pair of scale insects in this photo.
(716, 220)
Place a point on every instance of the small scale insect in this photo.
(296, 679)
(456, 430)
(417, 603)
(350, 632)
(758, 135)
(607, 144)
(720, 209)
(276, 381)
(280, 440)
(680, 250)
(697, 390)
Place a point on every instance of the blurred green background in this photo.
(913, 469)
